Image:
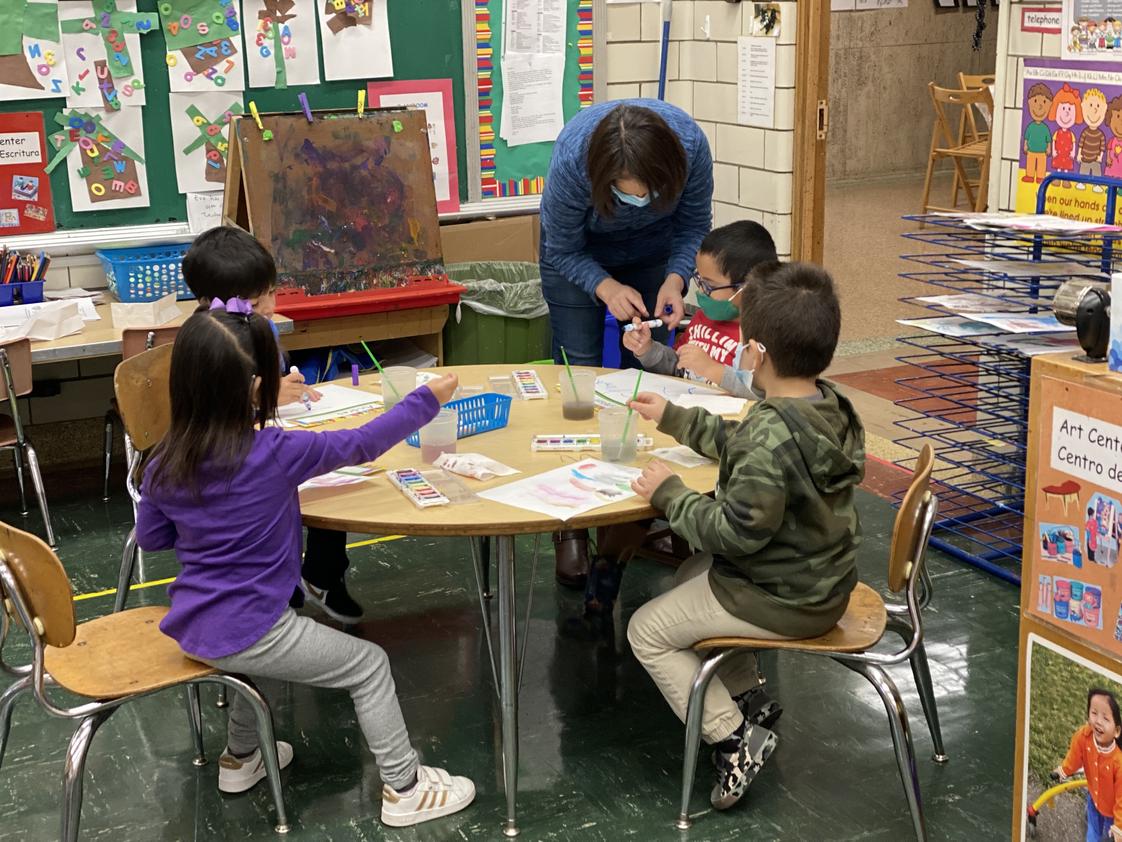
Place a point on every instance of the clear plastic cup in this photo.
(439, 435)
(501, 384)
(578, 395)
(614, 447)
(397, 382)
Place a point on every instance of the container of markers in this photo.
(29, 292)
(474, 415)
(145, 273)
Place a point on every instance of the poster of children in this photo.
(1092, 30)
(1071, 123)
(1103, 530)
(1073, 719)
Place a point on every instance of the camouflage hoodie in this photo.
(782, 529)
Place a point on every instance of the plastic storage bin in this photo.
(145, 274)
(502, 317)
(477, 414)
(29, 292)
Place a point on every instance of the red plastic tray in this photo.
(419, 292)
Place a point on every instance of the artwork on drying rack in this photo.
(101, 46)
(285, 49)
(355, 37)
(103, 152)
(204, 45)
(31, 61)
(200, 130)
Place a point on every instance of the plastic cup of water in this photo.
(397, 382)
(613, 446)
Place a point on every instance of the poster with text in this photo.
(281, 41)
(1071, 123)
(103, 65)
(434, 97)
(355, 38)
(25, 189)
(1091, 30)
(103, 152)
(204, 45)
(1072, 548)
(31, 62)
(200, 131)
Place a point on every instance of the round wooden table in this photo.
(376, 507)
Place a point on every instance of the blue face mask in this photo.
(745, 377)
(628, 199)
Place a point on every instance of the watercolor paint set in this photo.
(529, 385)
(578, 441)
(419, 490)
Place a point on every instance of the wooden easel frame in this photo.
(812, 74)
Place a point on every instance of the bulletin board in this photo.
(427, 41)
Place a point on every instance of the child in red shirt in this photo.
(1095, 750)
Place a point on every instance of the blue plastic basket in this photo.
(28, 292)
(477, 414)
(146, 273)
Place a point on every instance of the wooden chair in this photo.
(133, 341)
(107, 662)
(850, 643)
(967, 123)
(15, 365)
(945, 143)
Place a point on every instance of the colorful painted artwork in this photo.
(568, 491)
(200, 130)
(285, 48)
(104, 156)
(355, 36)
(1059, 542)
(31, 62)
(204, 45)
(100, 41)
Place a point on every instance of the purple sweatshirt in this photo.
(239, 543)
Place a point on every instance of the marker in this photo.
(652, 324)
(361, 102)
(354, 374)
(256, 116)
(304, 104)
(304, 399)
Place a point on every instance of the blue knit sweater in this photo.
(579, 243)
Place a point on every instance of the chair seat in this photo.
(7, 431)
(974, 149)
(860, 628)
(120, 655)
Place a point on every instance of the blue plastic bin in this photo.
(146, 273)
(30, 292)
(477, 414)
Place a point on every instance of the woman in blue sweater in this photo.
(627, 201)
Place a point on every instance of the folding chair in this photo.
(967, 124)
(945, 143)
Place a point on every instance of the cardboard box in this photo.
(505, 238)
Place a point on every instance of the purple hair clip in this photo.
(236, 306)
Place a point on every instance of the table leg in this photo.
(508, 676)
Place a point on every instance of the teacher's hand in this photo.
(670, 296)
(622, 301)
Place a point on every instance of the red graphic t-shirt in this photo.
(717, 339)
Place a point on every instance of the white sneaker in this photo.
(436, 794)
(239, 775)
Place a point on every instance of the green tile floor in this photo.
(601, 752)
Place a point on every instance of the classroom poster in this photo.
(200, 133)
(25, 189)
(31, 62)
(1071, 122)
(1091, 30)
(434, 97)
(355, 37)
(204, 45)
(103, 66)
(103, 152)
(285, 48)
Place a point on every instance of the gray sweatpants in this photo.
(301, 650)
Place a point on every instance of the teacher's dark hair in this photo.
(635, 142)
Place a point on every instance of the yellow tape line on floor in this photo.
(156, 582)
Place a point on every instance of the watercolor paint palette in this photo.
(419, 490)
(529, 385)
(586, 441)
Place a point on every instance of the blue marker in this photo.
(304, 399)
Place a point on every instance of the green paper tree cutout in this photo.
(112, 25)
(275, 14)
(211, 139)
(35, 20)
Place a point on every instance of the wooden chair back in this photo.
(908, 530)
(43, 585)
(968, 81)
(141, 384)
(135, 340)
(16, 362)
(949, 103)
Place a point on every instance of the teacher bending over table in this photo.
(627, 201)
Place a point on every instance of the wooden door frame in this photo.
(812, 74)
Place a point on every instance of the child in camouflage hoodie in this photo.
(778, 543)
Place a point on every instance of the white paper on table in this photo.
(1027, 269)
(534, 26)
(335, 402)
(687, 457)
(192, 168)
(40, 322)
(300, 54)
(94, 295)
(568, 491)
(620, 386)
(532, 110)
(127, 125)
(217, 65)
(83, 51)
(343, 476)
(41, 55)
(356, 52)
(716, 404)
(755, 90)
(204, 211)
(474, 465)
(144, 313)
(950, 326)
(433, 105)
(1023, 322)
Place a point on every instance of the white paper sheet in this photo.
(755, 90)
(359, 51)
(46, 74)
(144, 313)
(568, 491)
(127, 126)
(433, 105)
(204, 167)
(1024, 269)
(962, 303)
(1023, 322)
(474, 465)
(299, 44)
(620, 385)
(1033, 344)
(217, 65)
(681, 455)
(87, 61)
(204, 211)
(531, 110)
(40, 322)
(949, 326)
(716, 404)
(534, 26)
(335, 402)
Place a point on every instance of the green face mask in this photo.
(718, 311)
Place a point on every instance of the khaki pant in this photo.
(1036, 165)
(662, 632)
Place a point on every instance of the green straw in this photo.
(569, 369)
(630, 411)
(611, 400)
(382, 371)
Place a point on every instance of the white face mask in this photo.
(745, 376)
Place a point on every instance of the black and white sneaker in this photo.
(335, 602)
(758, 707)
(737, 770)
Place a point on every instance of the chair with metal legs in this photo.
(851, 641)
(108, 662)
(15, 369)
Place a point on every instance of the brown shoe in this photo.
(570, 548)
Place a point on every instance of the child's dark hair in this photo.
(738, 248)
(227, 262)
(214, 362)
(632, 141)
(793, 311)
(1112, 702)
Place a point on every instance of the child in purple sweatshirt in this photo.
(221, 490)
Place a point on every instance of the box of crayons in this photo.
(21, 276)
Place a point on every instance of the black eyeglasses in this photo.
(707, 287)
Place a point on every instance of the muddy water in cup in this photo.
(578, 410)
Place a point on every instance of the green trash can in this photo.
(502, 318)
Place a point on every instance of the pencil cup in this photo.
(439, 435)
(613, 448)
(578, 405)
(397, 382)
